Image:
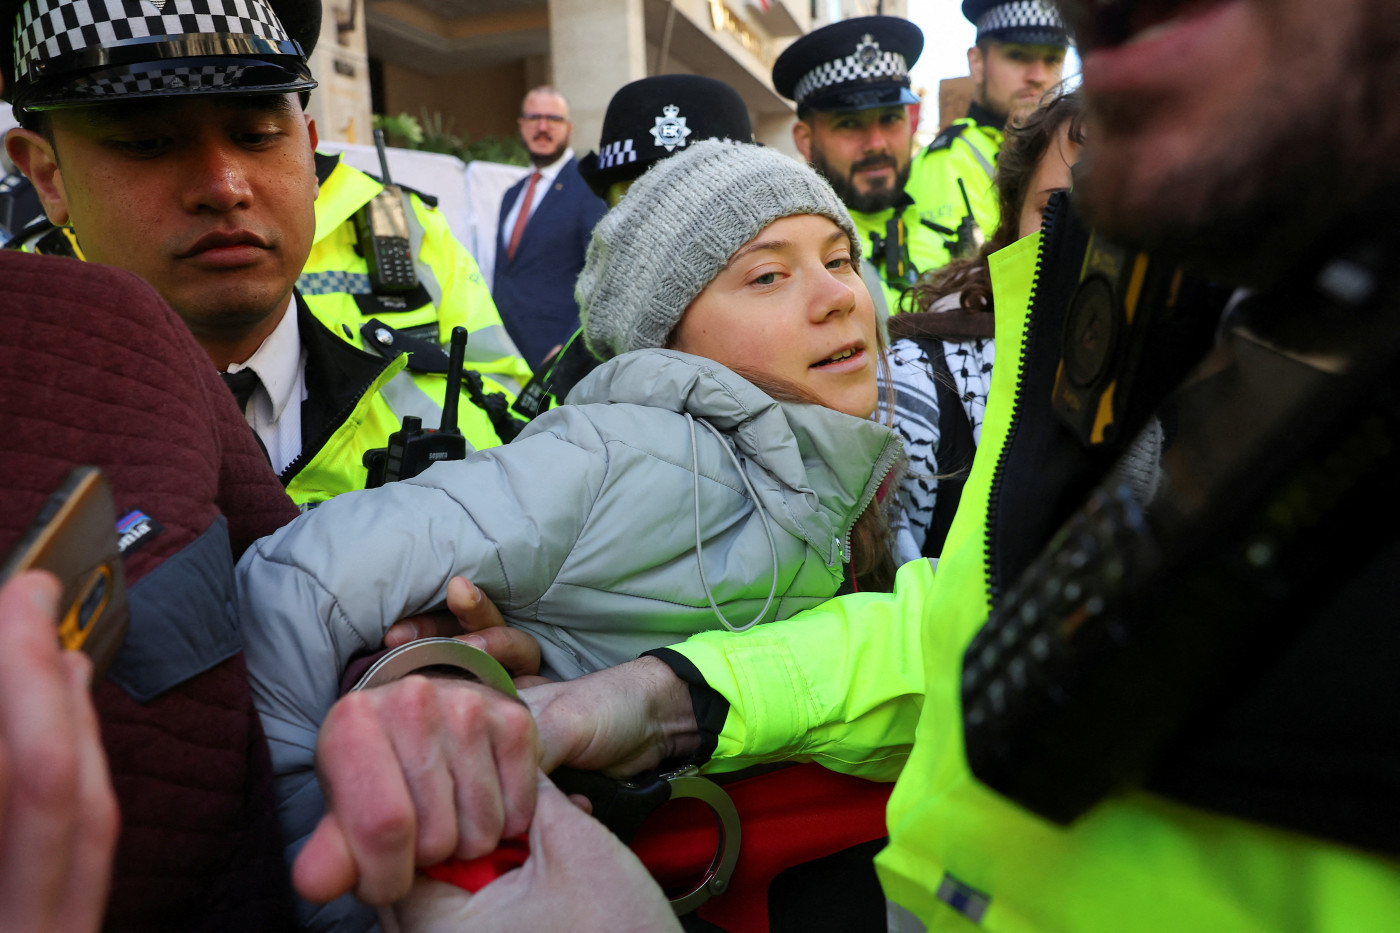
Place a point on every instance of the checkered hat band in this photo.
(49, 29)
(848, 69)
(1021, 14)
(616, 153)
(203, 78)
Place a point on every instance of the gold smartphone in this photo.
(74, 537)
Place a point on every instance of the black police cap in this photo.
(66, 53)
(1032, 22)
(655, 117)
(856, 64)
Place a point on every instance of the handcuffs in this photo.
(620, 805)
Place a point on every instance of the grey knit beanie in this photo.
(675, 230)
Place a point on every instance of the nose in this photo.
(874, 141)
(832, 295)
(1037, 72)
(216, 177)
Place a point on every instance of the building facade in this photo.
(469, 62)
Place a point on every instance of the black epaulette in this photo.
(945, 139)
(325, 164)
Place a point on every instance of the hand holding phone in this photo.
(74, 537)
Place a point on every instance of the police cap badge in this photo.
(655, 117)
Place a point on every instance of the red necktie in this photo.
(523, 216)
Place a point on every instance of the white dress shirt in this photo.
(274, 410)
(548, 173)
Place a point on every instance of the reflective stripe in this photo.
(426, 276)
(405, 397)
(982, 159)
(489, 343)
(333, 282)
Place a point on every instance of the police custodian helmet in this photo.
(1031, 22)
(655, 117)
(72, 53)
(854, 64)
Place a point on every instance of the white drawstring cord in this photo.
(762, 515)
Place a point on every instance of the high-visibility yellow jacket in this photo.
(870, 684)
(918, 248)
(451, 292)
(354, 401)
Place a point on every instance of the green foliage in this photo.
(507, 149)
(402, 131)
(433, 134)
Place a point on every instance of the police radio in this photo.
(556, 378)
(892, 251)
(967, 239)
(382, 231)
(413, 448)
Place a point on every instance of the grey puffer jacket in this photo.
(582, 531)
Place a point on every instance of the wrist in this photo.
(670, 709)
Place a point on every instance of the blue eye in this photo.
(767, 278)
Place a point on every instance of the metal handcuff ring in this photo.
(451, 653)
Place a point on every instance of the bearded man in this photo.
(850, 81)
(546, 220)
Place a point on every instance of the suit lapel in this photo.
(546, 198)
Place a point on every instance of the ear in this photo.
(311, 135)
(975, 64)
(34, 156)
(802, 139)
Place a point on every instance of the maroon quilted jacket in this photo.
(95, 369)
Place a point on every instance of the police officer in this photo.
(1019, 55)
(850, 81)
(203, 182)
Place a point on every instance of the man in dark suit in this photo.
(546, 220)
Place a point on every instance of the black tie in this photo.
(241, 384)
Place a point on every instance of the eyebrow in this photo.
(837, 234)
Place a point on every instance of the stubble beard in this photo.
(985, 101)
(1273, 188)
(868, 202)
